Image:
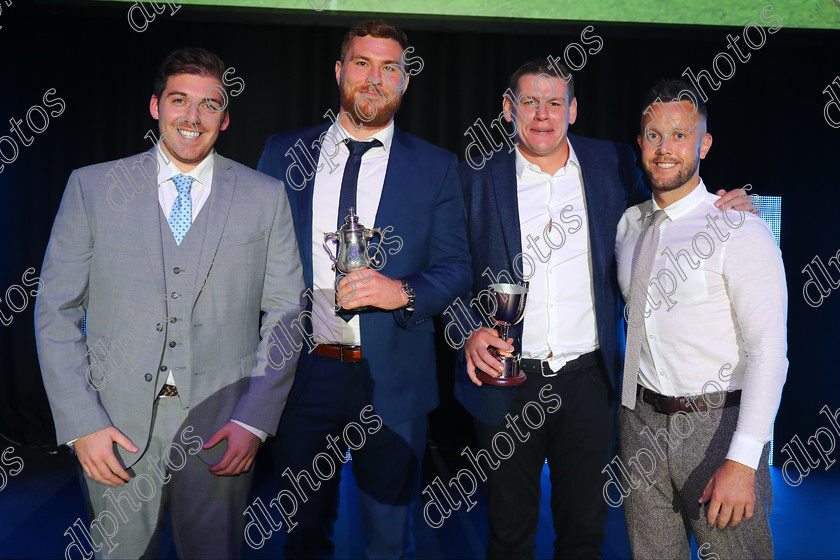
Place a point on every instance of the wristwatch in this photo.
(409, 292)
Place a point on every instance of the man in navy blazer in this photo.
(547, 214)
(367, 383)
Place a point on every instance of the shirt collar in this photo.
(522, 164)
(681, 207)
(339, 132)
(203, 172)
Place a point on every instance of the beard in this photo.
(370, 112)
(687, 170)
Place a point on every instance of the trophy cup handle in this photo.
(368, 234)
(332, 236)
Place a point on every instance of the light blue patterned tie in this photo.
(180, 218)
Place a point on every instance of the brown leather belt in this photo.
(338, 352)
(699, 403)
(168, 391)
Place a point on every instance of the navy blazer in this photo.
(422, 201)
(612, 183)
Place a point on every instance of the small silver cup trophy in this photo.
(510, 308)
(351, 242)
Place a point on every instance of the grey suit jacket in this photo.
(105, 258)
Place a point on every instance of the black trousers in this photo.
(576, 438)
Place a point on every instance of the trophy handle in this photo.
(368, 235)
(332, 236)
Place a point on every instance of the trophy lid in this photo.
(351, 221)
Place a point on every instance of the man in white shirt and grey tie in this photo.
(706, 349)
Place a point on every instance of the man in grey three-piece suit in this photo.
(180, 262)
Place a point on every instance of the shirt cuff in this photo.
(71, 442)
(256, 431)
(745, 450)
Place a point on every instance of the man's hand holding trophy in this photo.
(491, 356)
(359, 287)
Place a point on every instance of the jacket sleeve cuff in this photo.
(256, 431)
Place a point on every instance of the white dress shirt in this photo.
(559, 318)
(717, 310)
(328, 328)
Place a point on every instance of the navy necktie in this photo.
(350, 180)
(347, 198)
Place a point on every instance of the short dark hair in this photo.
(376, 28)
(674, 90)
(192, 60)
(543, 66)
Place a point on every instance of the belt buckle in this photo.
(700, 404)
(544, 366)
(341, 350)
(656, 406)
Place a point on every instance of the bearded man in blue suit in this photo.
(375, 369)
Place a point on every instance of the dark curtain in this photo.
(766, 120)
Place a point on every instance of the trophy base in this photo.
(356, 310)
(510, 377)
(513, 381)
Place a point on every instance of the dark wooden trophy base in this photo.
(513, 381)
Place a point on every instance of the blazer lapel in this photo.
(150, 214)
(503, 173)
(401, 162)
(602, 248)
(218, 206)
(301, 199)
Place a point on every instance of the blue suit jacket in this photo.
(422, 200)
(612, 183)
